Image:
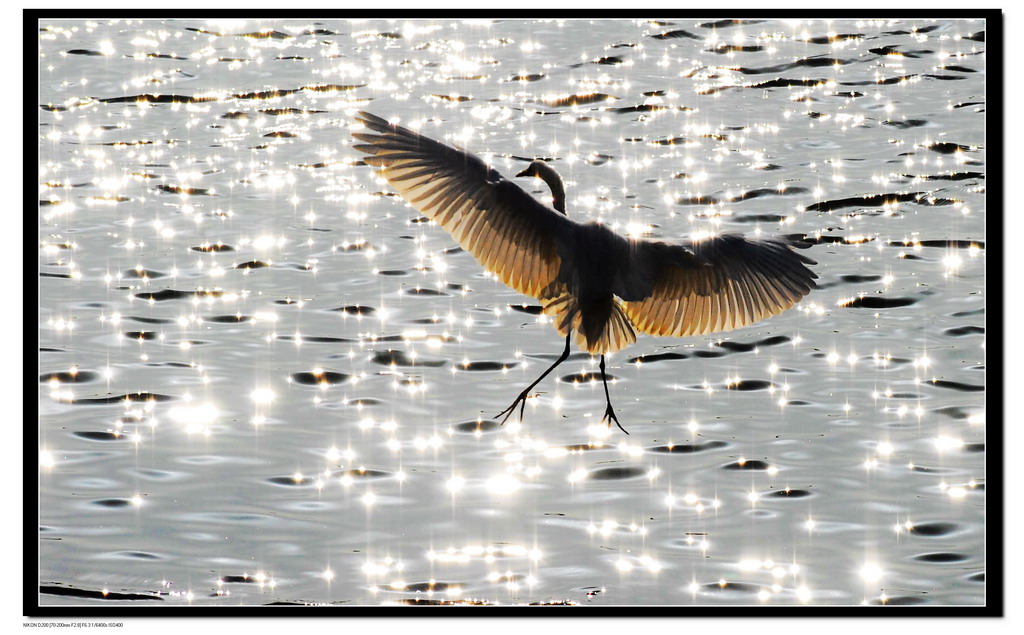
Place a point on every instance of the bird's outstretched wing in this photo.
(716, 284)
(506, 229)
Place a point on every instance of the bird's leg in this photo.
(521, 399)
(609, 412)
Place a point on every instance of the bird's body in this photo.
(596, 284)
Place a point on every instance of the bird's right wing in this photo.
(506, 229)
(716, 284)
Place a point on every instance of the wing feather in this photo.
(508, 231)
(717, 284)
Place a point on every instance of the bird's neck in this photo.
(554, 181)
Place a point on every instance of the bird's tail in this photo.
(602, 328)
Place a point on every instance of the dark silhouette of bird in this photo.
(597, 285)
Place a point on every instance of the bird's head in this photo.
(536, 168)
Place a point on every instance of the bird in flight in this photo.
(597, 285)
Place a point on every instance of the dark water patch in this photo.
(807, 62)
(210, 248)
(857, 278)
(870, 200)
(252, 264)
(658, 357)
(47, 274)
(760, 218)
(112, 503)
(271, 34)
(965, 104)
(585, 377)
(746, 347)
(730, 587)
(965, 330)
(948, 78)
(941, 557)
(157, 99)
(47, 349)
(708, 354)
(94, 595)
(87, 52)
(140, 335)
(355, 309)
(486, 366)
(452, 98)
(134, 397)
(400, 358)
(921, 469)
(894, 49)
(950, 244)
(646, 108)
(280, 112)
(432, 586)
(689, 448)
(781, 82)
(934, 529)
(977, 577)
(902, 600)
(754, 465)
(950, 176)
(280, 134)
(610, 60)
(676, 34)
(905, 124)
(424, 291)
(228, 319)
(886, 81)
(583, 99)
(319, 378)
(472, 427)
(748, 385)
(831, 38)
(69, 376)
(956, 385)
(598, 159)
(616, 473)
(726, 23)
(878, 302)
(959, 69)
(184, 191)
(136, 555)
(354, 246)
(406, 338)
(974, 447)
(735, 48)
(142, 274)
(797, 402)
(97, 435)
(525, 77)
(175, 294)
(825, 239)
(531, 309)
(363, 401)
(948, 147)
(788, 493)
(977, 37)
(671, 141)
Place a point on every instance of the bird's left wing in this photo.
(506, 229)
(711, 285)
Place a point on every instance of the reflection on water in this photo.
(263, 378)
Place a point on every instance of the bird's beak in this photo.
(525, 172)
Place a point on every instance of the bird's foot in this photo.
(609, 416)
(520, 401)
